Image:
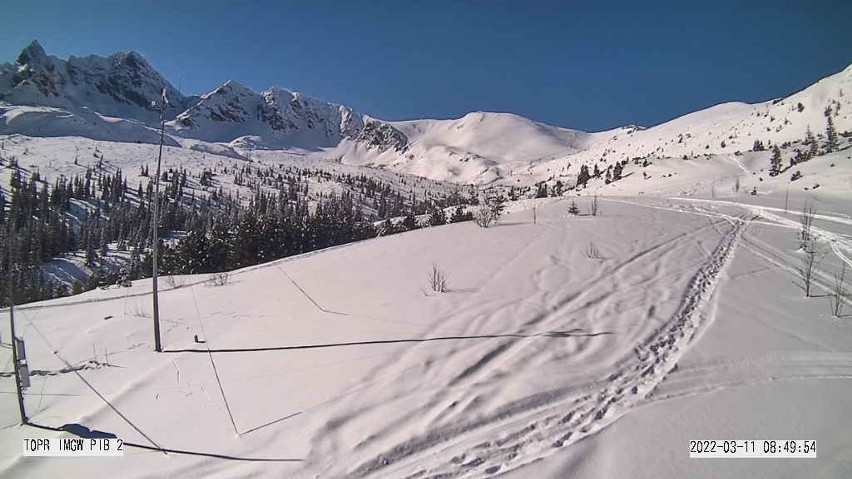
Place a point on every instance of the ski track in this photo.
(840, 245)
(506, 349)
(541, 320)
(782, 260)
(533, 427)
(539, 424)
(719, 374)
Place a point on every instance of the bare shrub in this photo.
(592, 252)
(809, 266)
(838, 293)
(484, 217)
(219, 279)
(437, 279)
(174, 282)
(489, 212)
(806, 219)
(139, 310)
(593, 208)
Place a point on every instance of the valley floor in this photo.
(582, 346)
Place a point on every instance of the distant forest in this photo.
(200, 232)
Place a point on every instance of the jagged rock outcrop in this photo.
(281, 118)
(121, 85)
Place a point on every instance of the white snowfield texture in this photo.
(40, 121)
(579, 345)
(480, 148)
(564, 346)
(121, 85)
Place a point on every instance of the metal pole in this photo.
(155, 215)
(15, 353)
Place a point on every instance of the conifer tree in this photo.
(617, 171)
(573, 209)
(461, 215)
(583, 177)
(830, 136)
(437, 217)
(775, 161)
(810, 140)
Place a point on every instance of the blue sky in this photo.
(583, 65)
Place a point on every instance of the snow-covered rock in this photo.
(122, 85)
(110, 99)
(280, 119)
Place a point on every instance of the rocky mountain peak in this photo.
(121, 85)
(33, 54)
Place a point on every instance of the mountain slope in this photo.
(690, 316)
(483, 148)
(121, 85)
(724, 129)
(280, 119)
(109, 98)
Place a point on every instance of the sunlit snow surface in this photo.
(684, 323)
(579, 346)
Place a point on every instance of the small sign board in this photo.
(22, 351)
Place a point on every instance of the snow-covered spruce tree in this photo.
(830, 136)
(583, 177)
(775, 161)
(409, 222)
(813, 146)
(618, 170)
(437, 217)
(460, 215)
(573, 210)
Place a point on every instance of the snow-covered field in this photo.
(576, 346)
(564, 346)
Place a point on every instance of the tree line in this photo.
(97, 212)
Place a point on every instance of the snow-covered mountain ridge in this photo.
(727, 128)
(125, 86)
(110, 98)
(280, 119)
(121, 85)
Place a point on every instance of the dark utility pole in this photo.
(155, 222)
(15, 364)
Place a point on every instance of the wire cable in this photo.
(181, 451)
(105, 400)
(213, 363)
(280, 268)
